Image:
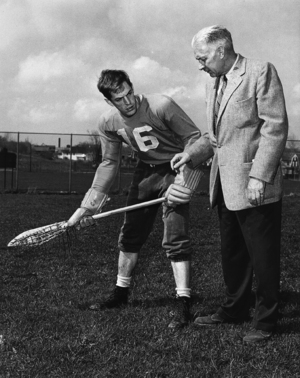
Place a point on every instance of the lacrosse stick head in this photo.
(39, 236)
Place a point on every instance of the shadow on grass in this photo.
(290, 301)
(289, 310)
(142, 303)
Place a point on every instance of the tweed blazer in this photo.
(250, 133)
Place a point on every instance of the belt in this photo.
(155, 165)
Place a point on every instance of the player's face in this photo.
(124, 100)
(209, 59)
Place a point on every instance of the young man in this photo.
(156, 128)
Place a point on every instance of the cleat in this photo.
(181, 315)
(118, 298)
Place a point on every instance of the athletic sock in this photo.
(123, 281)
(184, 292)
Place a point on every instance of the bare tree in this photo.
(293, 144)
(97, 152)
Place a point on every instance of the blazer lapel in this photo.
(212, 95)
(232, 84)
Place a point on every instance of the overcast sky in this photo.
(52, 52)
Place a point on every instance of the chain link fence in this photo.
(66, 163)
(55, 163)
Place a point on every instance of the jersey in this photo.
(157, 131)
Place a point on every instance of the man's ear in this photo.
(109, 102)
(221, 51)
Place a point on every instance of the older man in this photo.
(248, 126)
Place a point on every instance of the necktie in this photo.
(219, 99)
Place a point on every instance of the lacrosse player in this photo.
(157, 129)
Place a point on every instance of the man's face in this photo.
(209, 59)
(124, 100)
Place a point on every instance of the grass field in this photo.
(47, 331)
(52, 179)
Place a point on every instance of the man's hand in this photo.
(180, 159)
(91, 204)
(213, 141)
(178, 195)
(81, 219)
(255, 191)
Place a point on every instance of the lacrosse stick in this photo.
(41, 235)
(38, 236)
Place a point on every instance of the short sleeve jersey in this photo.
(157, 131)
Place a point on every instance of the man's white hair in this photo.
(215, 34)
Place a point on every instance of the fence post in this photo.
(70, 166)
(30, 154)
(4, 186)
(17, 170)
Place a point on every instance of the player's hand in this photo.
(178, 195)
(81, 218)
(213, 140)
(255, 191)
(180, 159)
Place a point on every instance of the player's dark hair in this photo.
(111, 81)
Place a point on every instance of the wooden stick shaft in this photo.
(129, 208)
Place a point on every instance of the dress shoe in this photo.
(213, 319)
(256, 335)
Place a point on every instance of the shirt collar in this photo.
(232, 67)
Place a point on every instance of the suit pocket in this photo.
(234, 179)
(244, 100)
(244, 112)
